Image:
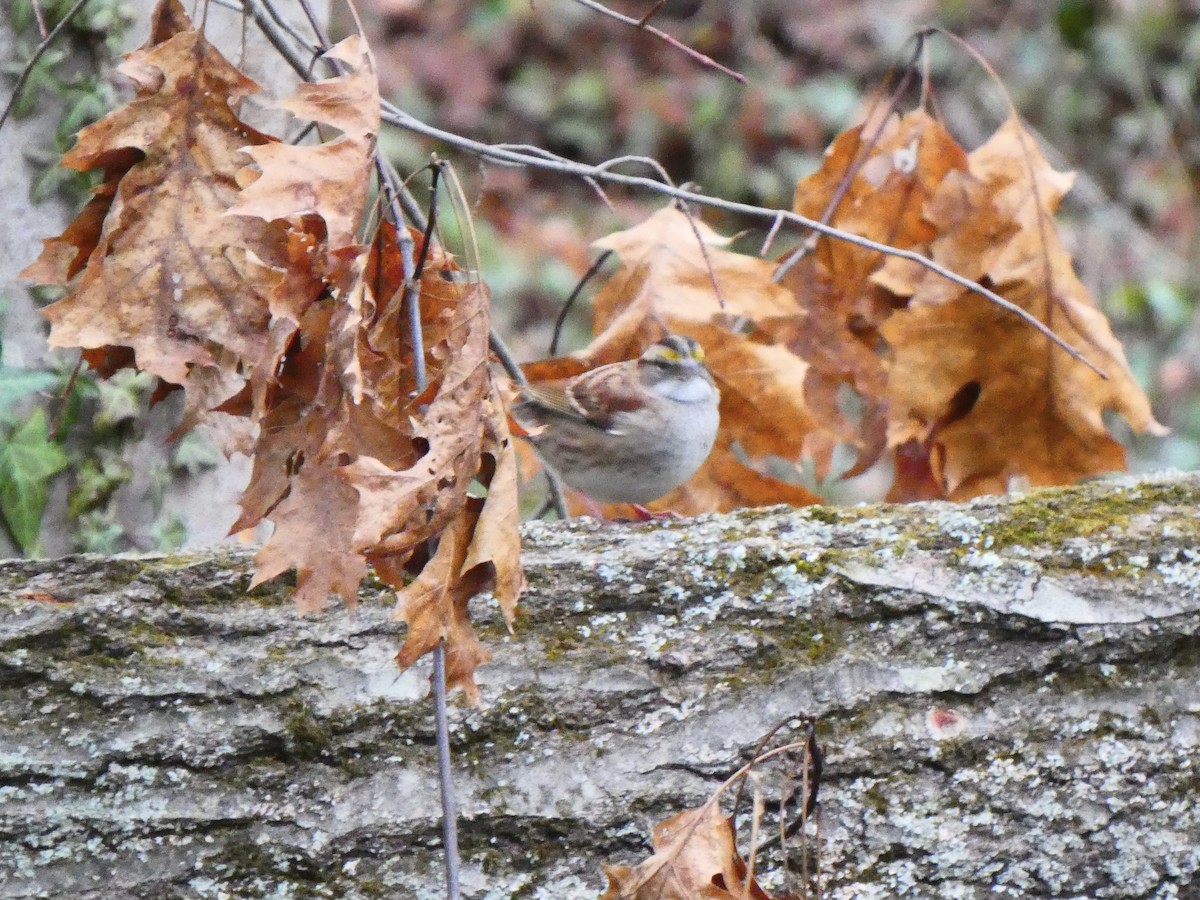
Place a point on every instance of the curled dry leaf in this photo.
(665, 283)
(695, 858)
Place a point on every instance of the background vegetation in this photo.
(1112, 87)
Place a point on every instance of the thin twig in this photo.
(412, 275)
(37, 54)
(449, 814)
(860, 159)
(770, 238)
(566, 308)
(663, 36)
(66, 397)
(641, 23)
(41, 19)
(315, 23)
(712, 272)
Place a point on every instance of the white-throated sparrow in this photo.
(627, 432)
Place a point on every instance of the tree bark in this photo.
(1006, 692)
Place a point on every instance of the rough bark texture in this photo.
(167, 734)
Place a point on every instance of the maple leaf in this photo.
(168, 275)
(1034, 412)
(668, 265)
(695, 857)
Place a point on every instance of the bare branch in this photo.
(641, 25)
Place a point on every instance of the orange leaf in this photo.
(313, 530)
(329, 180)
(1034, 412)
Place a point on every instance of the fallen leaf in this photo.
(695, 857)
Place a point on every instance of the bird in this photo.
(630, 431)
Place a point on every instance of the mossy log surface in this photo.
(167, 733)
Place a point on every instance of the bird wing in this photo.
(594, 398)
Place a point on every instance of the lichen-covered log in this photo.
(165, 733)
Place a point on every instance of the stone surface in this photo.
(1007, 691)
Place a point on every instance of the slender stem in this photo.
(860, 159)
(562, 313)
(642, 25)
(37, 54)
(445, 775)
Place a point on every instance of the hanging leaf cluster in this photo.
(230, 265)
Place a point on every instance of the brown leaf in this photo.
(170, 275)
(314, 527)
(477, 551)
(1036, 413)
(400, 461)
(694, 857)
(435, 606)
(329, 180)
(402, 508)
(836, 285)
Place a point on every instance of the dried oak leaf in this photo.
(695, 858)
(842, 305)
(402, 508)
(170, 275)
(665, 283)
(1033, 412)
(476, 552)
(354, 464)
(331, 179)
(314, 530)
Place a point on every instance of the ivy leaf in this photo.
(28, 460)
(17, 383)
